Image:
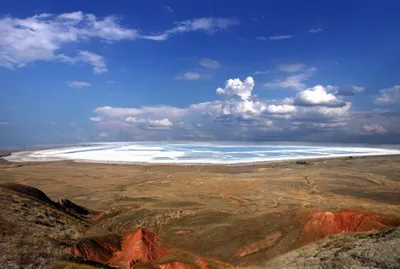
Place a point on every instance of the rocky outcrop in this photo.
(137, 248)
(140, 246)
(29, 191)
(97, 249)
(308, 226)
(77, 210)
(375, 249)
(63, 204)
(320, 224)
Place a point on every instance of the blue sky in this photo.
(76, 71)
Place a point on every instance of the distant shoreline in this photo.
(180, 163)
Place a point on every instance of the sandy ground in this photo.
(369, 182)
(215, 210)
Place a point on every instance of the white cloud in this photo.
(167, 8)
(281, 109)
(160, 37)
(318, 113)
(389, 96)
(42, 37)
(78, 84)
(209, 25)
(280, 37)
(164, 123)
(134, 120)
(358, 88)
(209, 63)
(295, 67)
(151, 124)
(374, 129)
(238, 101)
(94, 60)
(315, 30)
(189, 76)
(4, 123)
(261, 72)
(312, 114)
(242, 108)
(294, 82)
(95, 119)
(84, 56)
(317, 96)
(122, 112)
(235, 87)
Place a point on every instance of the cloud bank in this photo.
(311, 114)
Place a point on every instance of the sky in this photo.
(89, 71)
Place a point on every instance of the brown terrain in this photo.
(331, 213)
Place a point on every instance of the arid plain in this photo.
(241, 215)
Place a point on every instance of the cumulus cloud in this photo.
(311, 114)
(235, 87)
(150, 124)
(315, 30)
(280, 37)
(281, 109)
(42, 37)
(209, 63)
(389, 96)
(317, 96)
(189, 76)
(374, 129)
(78, 84)
(238, 102)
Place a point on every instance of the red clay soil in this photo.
(177, 265)
(143, 247)
(319, 224)
(98, 249)
(138, 247)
